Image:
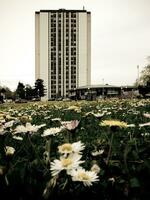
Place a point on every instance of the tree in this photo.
(20, 91)
(8, 93)
(2, 95)
(39, 88)
(3, 90)
(144, 81)
(29, 92)
(145, 76)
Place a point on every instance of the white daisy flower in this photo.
(52, 131)
(28, 128)
(74, 108)
(147, 115)
(75, 147)
(42, 125)
(98, 115)
(95, 168)
(96, 153)
(9, 150)
(56, 119)
(32, 128)
(112, 179)
(145, 134)
(131, 125)
(70, 125)
(78, 147)
(9, 124)
(65, 148)
(145, 124)
(68, 164)
(20, 129)
(89, 113)
(87, 177)
(2, 121)
(17, 137)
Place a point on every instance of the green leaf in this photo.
(121, 181)
(134, 182)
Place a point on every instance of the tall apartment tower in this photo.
(62, 50)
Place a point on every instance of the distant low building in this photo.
(93, 92)
(129, 91)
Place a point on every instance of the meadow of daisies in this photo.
(59, 150)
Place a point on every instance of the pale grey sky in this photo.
(120, 38)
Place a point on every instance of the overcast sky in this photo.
(120, 38)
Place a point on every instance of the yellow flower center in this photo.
(83, 176)
(66, 147)
(66, 162)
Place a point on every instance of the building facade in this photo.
(93, 92)
(62, 50)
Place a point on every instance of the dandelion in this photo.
(112, 123)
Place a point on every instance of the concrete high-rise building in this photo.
(62, 50)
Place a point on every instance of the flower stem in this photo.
(49, 149)
(110, 148)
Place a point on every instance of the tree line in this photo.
(143, 83)
(25, 92)
(28, 93)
